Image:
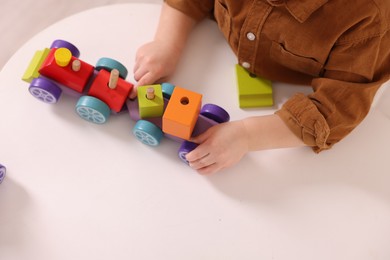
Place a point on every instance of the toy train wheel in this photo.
(64, 44)
(167, 90)
(216, 113)
(2, 173)
(45, 90)
(93, 110)
(147, 132)
(110, 64)
(184, 149)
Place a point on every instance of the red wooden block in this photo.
(76, 80)
(114, 98)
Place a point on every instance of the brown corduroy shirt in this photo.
(339, 47)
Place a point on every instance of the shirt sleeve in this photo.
(197, 9)
(343, 96)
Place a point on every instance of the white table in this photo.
(76, 190)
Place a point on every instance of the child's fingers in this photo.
(136, 67)
(133, 93)
(147, 79)
(140, 73)
(202, 150)
(197, 154)
(203, 162)
(206, 165)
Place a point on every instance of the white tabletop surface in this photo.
(76, 190)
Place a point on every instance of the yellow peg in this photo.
(62, 57)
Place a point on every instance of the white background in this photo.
(76, 190)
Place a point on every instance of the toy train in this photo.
(160, 109)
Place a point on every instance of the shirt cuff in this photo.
(306, 122)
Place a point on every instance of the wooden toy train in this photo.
(159, 109)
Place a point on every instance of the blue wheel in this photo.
(147, 132)
(167, 90)
(64, 44)
(110, 64)
(184, 149)
(216, 113)
(93, 110)
(2, 173)
(45, 90)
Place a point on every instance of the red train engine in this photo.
(102, 88)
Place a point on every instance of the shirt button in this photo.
(246, 65)
(251, 36)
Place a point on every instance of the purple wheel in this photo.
(2, 173)
(184, 149)
(45, 90)
(64, 44)
(216, 113)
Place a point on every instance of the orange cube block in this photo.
(181, 113)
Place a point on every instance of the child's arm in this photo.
(224, 145)
(157, 60)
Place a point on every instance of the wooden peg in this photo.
(76, 65)
(113, 79)
(150, 93)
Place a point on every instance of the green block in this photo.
(253, 91)
(32, 70)
(150, 107)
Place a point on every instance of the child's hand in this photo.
(155, 61)
(220, 146)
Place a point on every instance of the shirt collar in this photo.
(300, 9)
